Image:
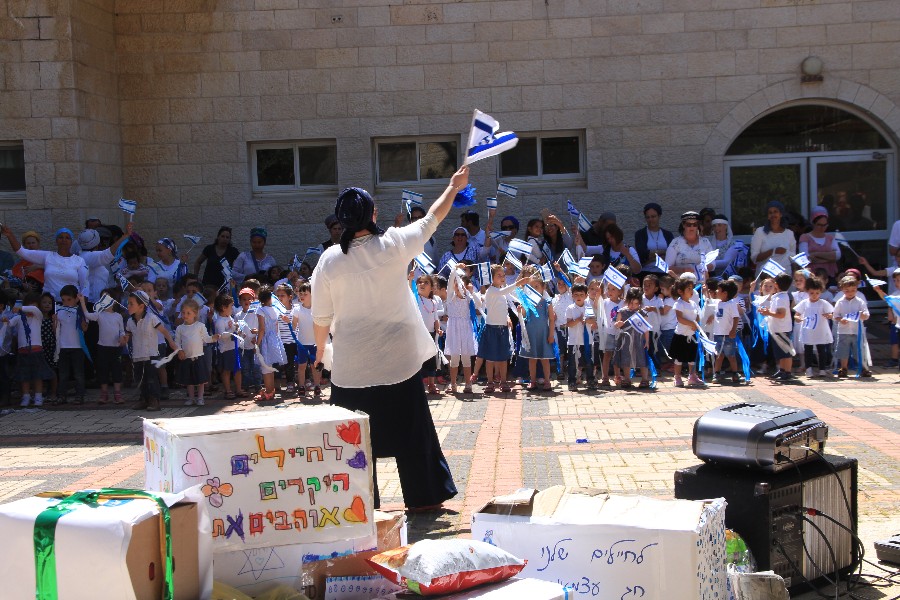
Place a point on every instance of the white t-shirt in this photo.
(495, 304)
(67, 338)
(559, 304)
(668, 320)
(778, 301)
(854, 309)
(576, 332)
(654, 317)
(763, 242)
(111, 325)
(689, 310)
(726, 313)
(143, 336)
(304, 327)
(247, 321)
(191, 338)
(363, 296)
(610, 311)
(34, 317)
(222, 324)
(815, 329)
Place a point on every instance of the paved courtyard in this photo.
(624, 442)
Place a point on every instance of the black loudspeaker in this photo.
(764, 508)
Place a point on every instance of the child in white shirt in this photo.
(778, 319)
(31, 365)
(247, 322)
(684, 345)
(849, 312)
(725, 330)
(69, 322)
(141, 328)
(667, 319)
(226, 329)
(608, 312)
(108, 359)
(493, 346)
(578, 324)
(190, 336)
(813, 315)
(301, 318)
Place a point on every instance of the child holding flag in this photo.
(540, 331)
(463, 309)
(108, 360)
(633, 341)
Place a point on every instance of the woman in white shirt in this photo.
(361, 296)
(61, 268)
(773, 240)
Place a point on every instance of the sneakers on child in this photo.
(26, 400)
(38, 401)
(678, 382)
(809, 372)
(189, 402)
(823, 373)
(201, 402)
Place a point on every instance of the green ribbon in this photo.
(45, 535)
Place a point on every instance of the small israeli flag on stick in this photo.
(546, 272)
(511, 259)
(193, 239)
(129, 207)
(414, 198)
(484, 141)
(584, 224)
(615, 277)
(226, 269)
(570, 208)
(585, 261)
(773, 268)
(123, 282)
(520, 246)
(507, 190)
(532, 294)
(449, 265)
(424, 263)
(567, 259)
(875, 282)
(312, 251)
(496, 235)
(640, 324)
(801, 260)
(201, 299)
(484, 273)
(588, 311)
(710, 257)
(491, 203)
(707, 344)
(661, 264)
(579, 270)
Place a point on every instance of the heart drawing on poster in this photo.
(350, 433)
(357, 511)
(195, 465)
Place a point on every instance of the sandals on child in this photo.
(262, 396)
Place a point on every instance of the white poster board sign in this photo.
(288, 476)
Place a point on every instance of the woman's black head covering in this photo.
(355, 210)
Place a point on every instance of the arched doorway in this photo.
(815, 154)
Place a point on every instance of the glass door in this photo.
(751, 183)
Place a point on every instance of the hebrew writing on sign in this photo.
(271, 478)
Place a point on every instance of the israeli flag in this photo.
(852, 317)
(579, 270)
(520, 246)
(279, 307)
(201, 299)
(226, 269)
(507, 190)
(103, 303)
(424, 263)
(772, 268)
(532, 294)
(875, 282)
(661, 264)
(570, 208)
(450, 265)
(707, 344)
(589, 311)
(615, 277)
(484, 273)
(153, 265)
(801, 260)
(254, 306)
(585, 261)
(496, 235)
(640, 324)
(484, 141)
(128, 206)
(567, 259)
(411, 198)
(295, 264)
(511, 259)
(584, 224)
(123, 282)
(547, 272)
(491, 203)
(194, 239)
(710, 257)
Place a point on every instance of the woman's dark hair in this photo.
(615, 231)
(557, 244)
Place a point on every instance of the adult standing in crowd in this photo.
(213, 254)
(594, 236)
(335, 229)
(256, 259)
(822, 248)
(773, 240)
(732, 252)
(168, 265)
(472, 224)
(686, 252)
(556, 236)
(651, 241)
(25, 268)
(61, 267)
(361, 296)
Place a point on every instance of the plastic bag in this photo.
(432, 567)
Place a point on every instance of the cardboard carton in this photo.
(111, 549)
(611, 547)
(271, 478)
(511, 589)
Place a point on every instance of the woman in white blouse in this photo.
(61, 267)
(361, 296)
(686, 252)
(773, 240)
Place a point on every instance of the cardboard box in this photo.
(612, 547)
(109, 550)
(305, 566)
(511, 589)
(271, 478)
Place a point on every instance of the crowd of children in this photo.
(588, 322)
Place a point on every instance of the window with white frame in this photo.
(285, 166)
(416, 159)
(549, 155)
(12, 170)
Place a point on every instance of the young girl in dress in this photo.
(142, 328)
(631, 346)
(229, 346)
(540, 330)
(190, 336)
(271, 349)
(428, 308)
(494, 344)
(461, 344)
(684, 344)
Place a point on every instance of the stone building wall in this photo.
(660, 87)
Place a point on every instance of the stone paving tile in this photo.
(621, 429)
(10, 489)
(58, 456)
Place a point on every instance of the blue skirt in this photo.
(494, 343)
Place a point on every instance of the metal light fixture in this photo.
(811, 67)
